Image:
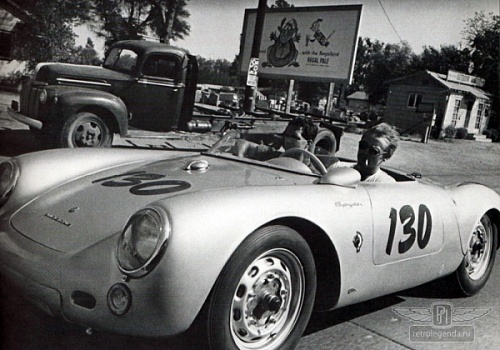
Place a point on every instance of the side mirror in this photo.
(344, 177)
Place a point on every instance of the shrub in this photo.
(461, 133)
(450, 132)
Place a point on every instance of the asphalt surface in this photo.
(370, 325)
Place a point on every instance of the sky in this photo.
(216, 25)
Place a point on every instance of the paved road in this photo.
(370, 325)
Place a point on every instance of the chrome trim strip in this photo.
(66, 80)
(149, 82)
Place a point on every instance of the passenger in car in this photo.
(299, 133)
(376, 146)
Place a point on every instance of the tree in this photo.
(482, 35)
(440, 61)
(376, 63)
(47, 34)
(281, 4)
(133, 19)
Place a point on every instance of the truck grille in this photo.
(29, 98)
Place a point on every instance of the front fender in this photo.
(42, 171)
(105, 104)
(472, 202)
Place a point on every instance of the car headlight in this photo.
(43, 96)
(143, 241)
(9, 173)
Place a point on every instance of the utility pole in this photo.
(252, 77)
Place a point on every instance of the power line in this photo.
(390, 22)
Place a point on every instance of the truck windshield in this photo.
(122, 60)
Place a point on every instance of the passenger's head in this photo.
(377, 144)
(299, 133)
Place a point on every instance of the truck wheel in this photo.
(264, 296)
(324, 143)
(85, 130)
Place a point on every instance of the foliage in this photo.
(116, 20)
(449, 132)
(376, 63)
(47, 34)
(482, 35)
(461, 133)
(215, 72)
(440, 61)
(281, 4)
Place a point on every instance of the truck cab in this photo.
(141, 85)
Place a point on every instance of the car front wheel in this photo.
(476, 267)
(85, 130)
(265, 294)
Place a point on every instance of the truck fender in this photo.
(104, 104)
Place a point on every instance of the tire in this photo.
(264, 296)
(85, 130)
(324, 143)
(476, 267)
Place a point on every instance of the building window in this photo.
(456, 108)
(414, 100)
(5, 45)
(480, 109)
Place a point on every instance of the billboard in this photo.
(304, 43)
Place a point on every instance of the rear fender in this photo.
(472, 202)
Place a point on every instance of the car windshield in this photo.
(122, 60)
(234, 145)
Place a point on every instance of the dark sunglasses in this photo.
(372, 150)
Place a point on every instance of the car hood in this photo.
(82, 212)
(73, 74)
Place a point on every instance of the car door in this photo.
(408, 223)
(157, 95)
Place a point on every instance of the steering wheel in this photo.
(302, 155)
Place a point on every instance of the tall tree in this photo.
(47, 34)
(482, 36)
(133, 19)
(281, 4)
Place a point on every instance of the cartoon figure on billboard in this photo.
(283, 52)
(318, 34)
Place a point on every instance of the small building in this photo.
(358, 101)
(429, 101)
(11, 14)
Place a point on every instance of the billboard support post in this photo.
(251, 86)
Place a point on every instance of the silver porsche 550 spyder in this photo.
(146, 242)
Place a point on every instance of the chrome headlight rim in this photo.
(7, 189)
(161, 244)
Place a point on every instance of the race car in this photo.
(150, 242)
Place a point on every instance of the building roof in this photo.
(358, 95)
(450, 85)
(441, 78)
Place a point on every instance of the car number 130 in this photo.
(421, 235)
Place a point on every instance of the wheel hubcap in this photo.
(88, 134)
(479, 252)
(268, 300)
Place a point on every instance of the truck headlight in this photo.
(9, 173)
(143, 241)
(43, 96)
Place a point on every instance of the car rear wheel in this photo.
(264, 296)
(476, 267)
(85, 130)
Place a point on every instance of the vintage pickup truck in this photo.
(142, 85)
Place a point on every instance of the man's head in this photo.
(299, 133)
(377, 144)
